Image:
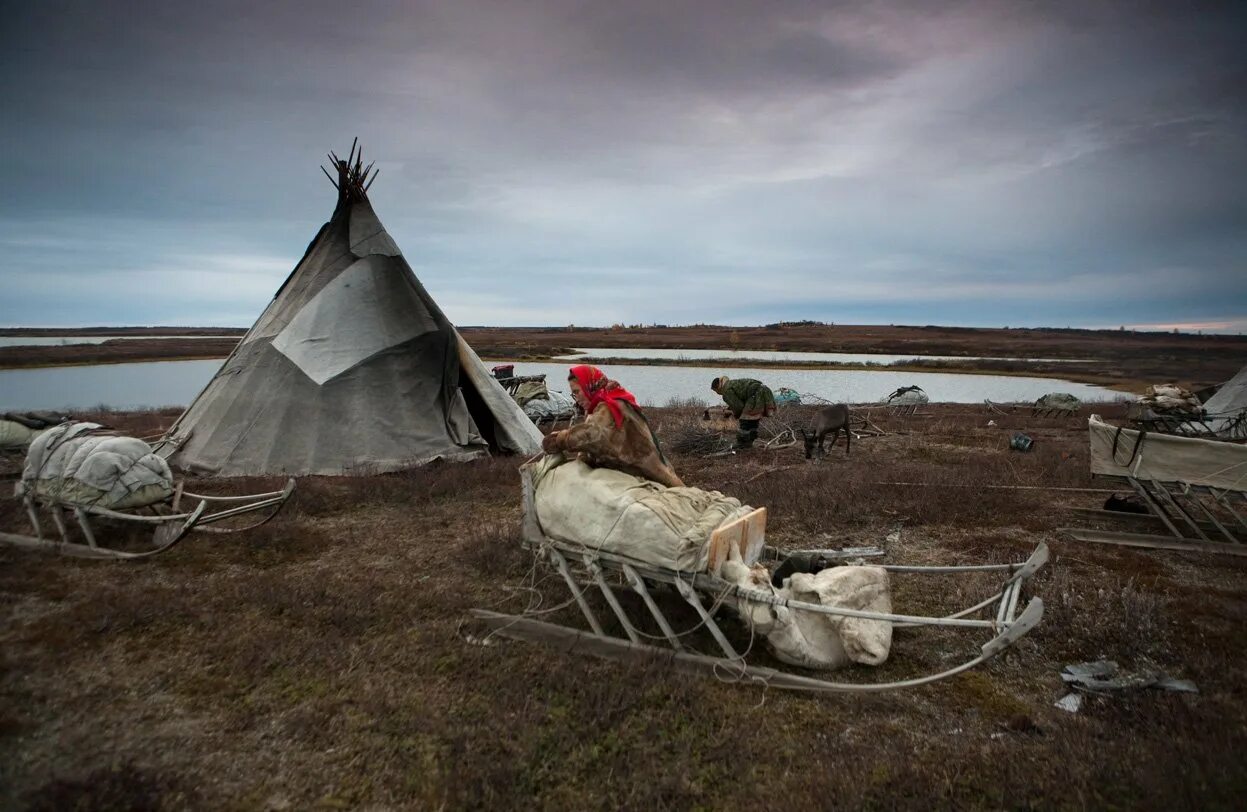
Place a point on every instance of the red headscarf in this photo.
(600, 389)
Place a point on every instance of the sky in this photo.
(980, 163)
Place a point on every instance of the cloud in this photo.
(653, 161)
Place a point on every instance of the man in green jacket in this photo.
(749, 402)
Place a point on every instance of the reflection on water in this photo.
(175, 383)
(783, 355)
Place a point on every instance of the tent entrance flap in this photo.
(479, 412)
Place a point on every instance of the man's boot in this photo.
(746, 434)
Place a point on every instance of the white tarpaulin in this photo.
(86, 464)
(1166, 458)
(1230, 398)
(1225, 407)
(810, 639)
(15, 436)
(554, 406)
(613, 512)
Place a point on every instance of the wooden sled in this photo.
(614, 575)
(1194, 490)
(169, 521)
(1224, 426)
(1191, 518)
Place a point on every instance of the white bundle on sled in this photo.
(613, 512)
(554, 406)
(813, 640)
(86, 464)
(15, 436)
(18, 429)
(1170, 399)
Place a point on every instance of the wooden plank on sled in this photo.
(62, 547)
(747, 534)
(1152, 542)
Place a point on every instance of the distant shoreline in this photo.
(1116, 359)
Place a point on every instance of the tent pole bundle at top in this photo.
(351, 369)
(353, 177)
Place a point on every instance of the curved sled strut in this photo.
(575, 641)
(168, 528)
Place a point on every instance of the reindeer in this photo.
(830, 420)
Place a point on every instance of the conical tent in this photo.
(352, 369)
(1224, 409)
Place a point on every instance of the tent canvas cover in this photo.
(1223, 407)
(351, 369)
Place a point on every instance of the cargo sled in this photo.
(704, 567)
(98, 477)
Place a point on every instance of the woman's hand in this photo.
(552, 442)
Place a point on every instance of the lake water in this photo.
(657, 384)
(175, 383)
(121, 386)
(64, 341)
(781, 355)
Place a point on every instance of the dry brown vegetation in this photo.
(118, 351)
(325, 660)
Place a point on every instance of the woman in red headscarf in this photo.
(615, 433)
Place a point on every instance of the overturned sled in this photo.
(906, 400)
(709, 566)
(1056, 404)
(95, 475)
(1193, 490)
